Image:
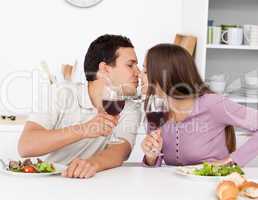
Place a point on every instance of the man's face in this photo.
(125, 72)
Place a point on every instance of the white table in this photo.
(125, 183)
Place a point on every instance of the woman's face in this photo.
(145, 83)
(144, 80)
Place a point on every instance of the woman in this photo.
(200, 126)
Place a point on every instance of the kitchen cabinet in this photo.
(232, 61)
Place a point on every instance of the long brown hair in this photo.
(174, 70)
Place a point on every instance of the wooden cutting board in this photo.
(187, 41)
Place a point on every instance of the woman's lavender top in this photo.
(201, 136)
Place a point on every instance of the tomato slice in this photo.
(29, 169)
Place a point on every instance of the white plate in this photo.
(187, 172)
(243, 198)
(59, 169)
(84, 3)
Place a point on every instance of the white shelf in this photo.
(224, 46)
(242, 99)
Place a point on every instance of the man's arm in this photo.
(112, 156)
(37, 140)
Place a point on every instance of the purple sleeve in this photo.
(157, 164)
(228, 112)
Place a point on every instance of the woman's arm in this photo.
(228, 112)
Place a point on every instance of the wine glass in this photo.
(113, 102)
(157, 114)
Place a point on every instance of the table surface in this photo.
(127, 182)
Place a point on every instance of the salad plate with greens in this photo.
(209, 171)
(31, 168)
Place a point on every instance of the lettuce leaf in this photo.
(45, 167)
(213, 170)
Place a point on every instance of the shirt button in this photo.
(177, 150)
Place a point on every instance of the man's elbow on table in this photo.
(25, 149)
(117, 154)
(35, 141)
(27, 146)
(124, 152)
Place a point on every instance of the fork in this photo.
(3, 163)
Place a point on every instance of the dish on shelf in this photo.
(244, 92)
(217, 86)
(251, 81)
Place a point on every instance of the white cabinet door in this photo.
(8, 144)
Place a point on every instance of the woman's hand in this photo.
(152, 145)
(222, 162)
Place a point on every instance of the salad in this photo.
(208, 169)
(27, 166)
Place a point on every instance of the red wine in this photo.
(157, 119)
(113, 107)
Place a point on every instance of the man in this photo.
(72, 136)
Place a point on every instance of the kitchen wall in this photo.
(54, 31)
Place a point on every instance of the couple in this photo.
(200, 125)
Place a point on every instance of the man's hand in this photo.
(110, 157)
(81, 169)
(101, 125)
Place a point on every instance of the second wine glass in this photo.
(157, 114)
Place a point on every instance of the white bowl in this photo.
(251, 80)
(217, 78)
(217, 86)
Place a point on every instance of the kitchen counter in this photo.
(130, 182)
(13, 126)
(20, 120)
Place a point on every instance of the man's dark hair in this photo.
(103, 49)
